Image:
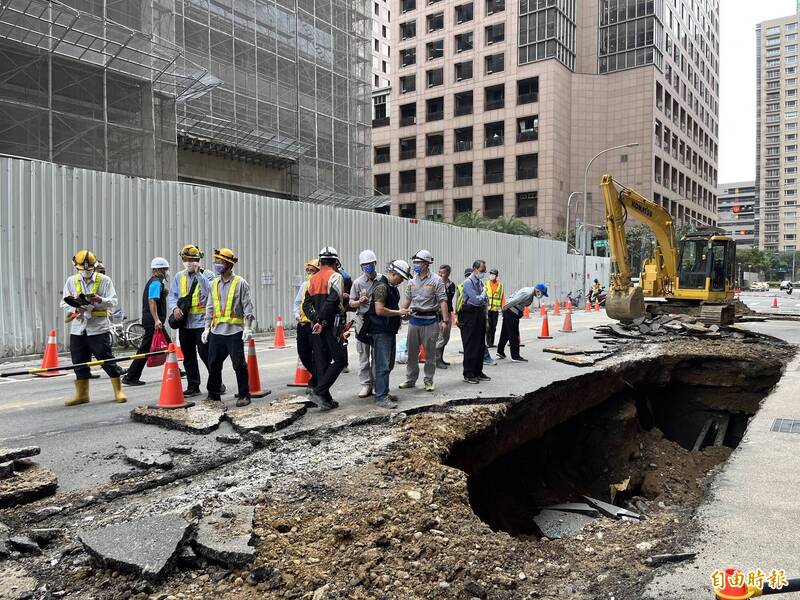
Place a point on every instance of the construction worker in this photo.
(495, 292)
(360, 293)
(425, 295)
(154, 314)
(512, 312)
(324, 306)
(305, 351)
(186, 304)
(228, 325)
(444, 336)
(87, 298)
(382, 321)
(473, 323)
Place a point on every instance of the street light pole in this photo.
(585, 178)
(566, 236)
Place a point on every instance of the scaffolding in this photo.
(368, 203)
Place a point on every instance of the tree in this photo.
(511, 225)
(473, 220)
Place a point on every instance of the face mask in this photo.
(417, 268)
(219, 269)
(492, 276)
(86, 274)
(368, 269)
(481, 276)
(192, 267)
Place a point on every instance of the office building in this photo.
(736, 212)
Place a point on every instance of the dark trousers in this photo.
(192, 345)
(509, 334)
(137, 366)
(473, 338)
(491, 326)
(330, 359)
(221, 347)
(305, 349)
(83, 347)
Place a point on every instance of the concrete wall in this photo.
(196, 166)
(48, 212)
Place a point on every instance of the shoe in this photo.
(324, 404)
(81, 393)
(94, 376)
(243, 401)
(444, 362)
(223, 389)
(429, 387)
(392, 397)
(386, 403)
(346, 370)
(183, 373)
(441, 365)
(407, 385)
(491, 362)
(518, 359)
(191, 392)
(483, 377)
(471, 380)
(119, 395)
(366, 391)
(213, 397)
(500, 355)
(133, 382)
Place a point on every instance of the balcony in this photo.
(406, 121)
(380, 122)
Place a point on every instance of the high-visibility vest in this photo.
(79, 288)
(197, 308)
(303, 317)
(459, 298)
(496, 298)
(225, 316)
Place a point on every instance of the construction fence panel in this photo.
(48, 212)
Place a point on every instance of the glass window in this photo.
(464, 13)
(463, 70)
(493, 206)
(435, 22)
(527, 204)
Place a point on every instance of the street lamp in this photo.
(566, 236)
(585, 177)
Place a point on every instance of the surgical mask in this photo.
(481, 276)
(86, 274)
(309, 275)
(192, 267)
(368, 269)
(492, 276)
(219, 269)
(417, 268)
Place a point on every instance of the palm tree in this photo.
(473, 220)
(510, 225)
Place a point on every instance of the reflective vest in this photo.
(303, 317)
(79, 288)
(459, 297)
(197, 308)
(225, 316)
(496, 298)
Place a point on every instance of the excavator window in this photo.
(717, 264)
(693, 264)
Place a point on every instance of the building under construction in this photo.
(256, 95)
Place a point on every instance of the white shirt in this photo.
(86, 323)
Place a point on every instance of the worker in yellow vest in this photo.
(86, 300)
(305, 350)
(229, 320)
(496, 299)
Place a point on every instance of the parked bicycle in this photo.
(127, 333)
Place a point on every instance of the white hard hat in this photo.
(366, 257)
(329, 252)
(423, 256)
(159, 263)
(401, 268)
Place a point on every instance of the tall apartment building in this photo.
(777, 134)
(736, 212)
(253, 94)
(381, 65)
(498, 106)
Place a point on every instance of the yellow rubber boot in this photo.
(119, 395)
(81, 393)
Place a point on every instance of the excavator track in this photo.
(706, 312)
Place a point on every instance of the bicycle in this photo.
(127, 333)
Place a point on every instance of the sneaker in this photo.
(471, 380)
(243, 401)
(407, 385)
(386, 403)
(483, 377)
(366, 391)
(440, 364)
(133, 382)
(392, 397)
(191, 392)
(346, 370)
(429, 387)
(518, 359)
(491, 362)
(500, 355)
(323, 403)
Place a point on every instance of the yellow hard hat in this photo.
(191, 251)
(313, 263)
(226, 254)
(84, 259)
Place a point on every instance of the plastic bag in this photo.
(158, 344)
(401, 357)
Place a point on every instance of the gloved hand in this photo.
(204, 336)
(247, 335)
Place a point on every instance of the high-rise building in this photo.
(498, 106)
(258, 95)
(736, 212)
(776, 134)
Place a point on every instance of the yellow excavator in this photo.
(695, 277)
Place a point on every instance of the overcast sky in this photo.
(737, 128)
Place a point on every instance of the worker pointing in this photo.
(87, 298)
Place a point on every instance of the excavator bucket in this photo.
(626, 304)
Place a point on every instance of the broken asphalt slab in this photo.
(556, 524)
(144, 547)
(609, 510)
(16, 583)
(265, 419)
(147, 459)
(225, 536)
(576, 507)
(29, 483)
(203, 418)
(7, 454)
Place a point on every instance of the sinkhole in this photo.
(649, 429)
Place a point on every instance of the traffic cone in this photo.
(50, 358)
(596, 306)
(452, 317)
(545, 334)
(543, 310)
(253, 376)
(567, 327)
(730, 591)
(775, 302)
(171, 389)
(178, 351)
(280, 340)
(301, 376)
(569, 307)
(557, 308)
(421, 353)
(526, 313)
(588, 306)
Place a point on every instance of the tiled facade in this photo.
(498, 105)
(736, 212)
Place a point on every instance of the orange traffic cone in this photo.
(569, 306)
(567, 327)
(596, 306)
(543, 310)
(526, 313)
(588, 306)
(178, 351)
(171, 389)
(253, 376)
(452, 317)
(557, 308)
(50, 358)
(545, 334)
(731, 591)
(280, 340)
(301, 376)
(421, 353)
(775, 302)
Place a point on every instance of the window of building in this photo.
(495, 6)
(408, 114)
(527, 166)
(408, 148)
(528, 128)
(382, 154)
(495, 63)
(462, 205)
(408, 182)
(493, 170)
(383, 66)
(464, 13)
(789, 27)
(527, 203)
(385, 33)
(463, 70)
(493, 206)
(462, 139)
(377, 9)
(494, 134)
(494, 34)
(408, 30)
(464, 42)
(377, 81)
(495, 97)
(408, 211)
(379, 107)
(434, 144)
(408, 57)
(435, 49)
(377, 46)
(382, 184)
(434, 109)
(407, 5)
(435, 22)
(462, 174)
(434, 211)
(434, 178)
(435, 77)
(463, 103)
(408, 83)
(528, 90)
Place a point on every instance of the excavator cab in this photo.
(706, 267)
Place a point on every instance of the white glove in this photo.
(204, 336)
(247, 335)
